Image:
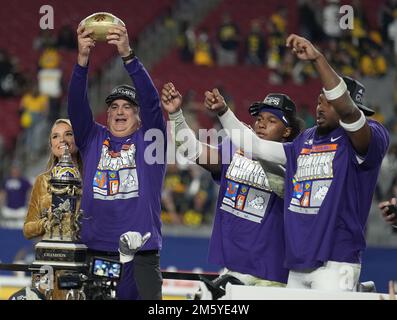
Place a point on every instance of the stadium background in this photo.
(177, 40)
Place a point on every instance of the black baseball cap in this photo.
(357, 90)
(278, 101)
(123, 91)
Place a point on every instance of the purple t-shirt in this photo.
(328, 196)
(16, 190)
(248, 231)
(121, 191)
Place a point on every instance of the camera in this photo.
(72, 280)
(97, 282)
(106, 268)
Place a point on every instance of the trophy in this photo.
(60, 244)
(100, 22)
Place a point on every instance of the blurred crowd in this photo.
(40, 92)
(13, 80)
(188, 196)
(361, 51)
(40, 95)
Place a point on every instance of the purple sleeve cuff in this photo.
(133, 66)
(80, 71)
(377, 147)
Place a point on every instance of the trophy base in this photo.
(65, 254)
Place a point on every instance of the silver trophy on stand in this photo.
(60, 246)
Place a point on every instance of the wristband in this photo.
(336, 92)
(355, 126)
(130, 56)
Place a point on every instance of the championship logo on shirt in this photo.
(313, 178)
(100, 179)
(248, 172)
(244, 190)
(129, 180)
(231, 193)
(240, 202)
(116, 176)
(113, 182)
(242, 195)
(247, 191)
(257, 202)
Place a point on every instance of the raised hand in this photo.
(302, 48)
(171, 99)
(214, 101)
(387, 208)
(85, 44)
(118, 36)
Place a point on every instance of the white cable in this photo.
(355, 126)
(260, 149)
(336, 92)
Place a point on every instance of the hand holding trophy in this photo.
(100, 23)
(102, 26)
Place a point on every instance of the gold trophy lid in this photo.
(100, 22)
(65, 172)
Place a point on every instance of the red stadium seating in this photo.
(244, 84)
(20, 31)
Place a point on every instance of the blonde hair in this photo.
(52, 159)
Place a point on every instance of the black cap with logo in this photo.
(125, 92)
(274, 101)
(357, 90)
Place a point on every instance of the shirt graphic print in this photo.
(247, 189)
(116, 176)
(313, 178)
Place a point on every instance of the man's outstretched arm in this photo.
(148, 97)
(79, 110)
(185, 139)
(335, 91)
(241, 136)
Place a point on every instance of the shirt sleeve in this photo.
(148, 97)
(289, 149)
(244, 138)
(39, 200)
(377, 147)
(79, 110)
(226, 151)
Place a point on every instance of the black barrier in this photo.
(166, 274)
(188, 275)
(34, 267)
(16, 267)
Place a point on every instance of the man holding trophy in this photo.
(121, 191)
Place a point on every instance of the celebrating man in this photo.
(121, 191)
